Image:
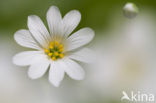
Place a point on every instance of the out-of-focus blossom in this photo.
(126, 58)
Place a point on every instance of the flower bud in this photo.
(130, 10)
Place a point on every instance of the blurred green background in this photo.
(95, 13)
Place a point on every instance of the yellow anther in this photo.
(53, 58)
(56, 43)
(51, 46)
(61, 55)
(46, 50)
(55, 50)
(56, 53)
(52, 43)
(50, 54)
(61, 50)
(60, 46)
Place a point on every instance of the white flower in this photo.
(55, 49)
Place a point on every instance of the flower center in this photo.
(55, 50)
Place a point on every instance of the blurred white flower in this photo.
(125, 59)
(57, 49)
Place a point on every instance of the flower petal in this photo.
(84, 55)
(70, 21)
(24, 38)
(73, 69)
(54, 20)
(38, 69)
(38, 30)
(80, 38)
(27, 57)
(56, 73)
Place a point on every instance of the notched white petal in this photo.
(80, 38)
(73, 69)
(84, 55)
(28, 57)
(38, 69)
(56, 73)
(25, 39)
(54, 20)
(70, 21)
(38, 30)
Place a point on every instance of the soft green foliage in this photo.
(95, 13)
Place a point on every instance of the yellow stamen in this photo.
(56, 43)
(50, 54)
(53, 58)
(51, 46)
(61, 50)
(46, 50)
(55, 50)
(61, 55)
(52, 43)
(56, 53)
(60, 46)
